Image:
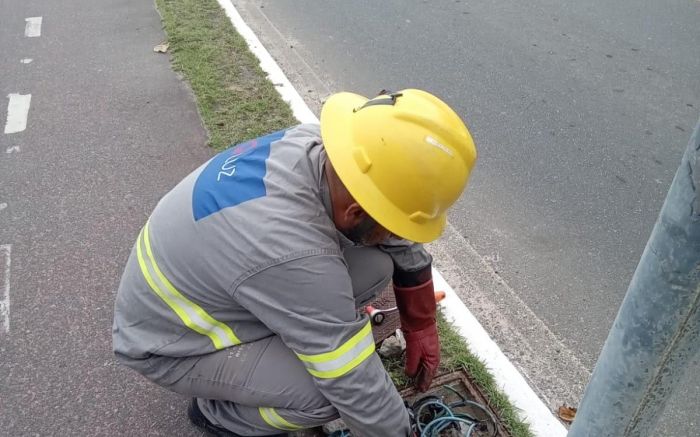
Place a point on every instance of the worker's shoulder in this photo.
(306, 130)
(296, 144)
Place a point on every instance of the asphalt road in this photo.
(110, 129)
(580, 110)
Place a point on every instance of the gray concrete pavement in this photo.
(580, 110)
(111, 128)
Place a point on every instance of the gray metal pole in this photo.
(657, 330)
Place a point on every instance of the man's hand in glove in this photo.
(415, 298)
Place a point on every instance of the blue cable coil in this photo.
(432, 417)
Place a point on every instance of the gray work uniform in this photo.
(241, 292)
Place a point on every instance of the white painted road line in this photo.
(12, 149)
(17, 112)
(5, 251)
(26, 60)
(3, 205)
(534, 411)
(33, 27)
(542, 421)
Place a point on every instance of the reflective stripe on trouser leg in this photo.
(264, 372)
(340, 361)
(191, 314)
(272, 418)
(246, 420)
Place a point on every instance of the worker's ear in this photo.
(353, 215)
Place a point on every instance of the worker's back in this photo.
(254, 206)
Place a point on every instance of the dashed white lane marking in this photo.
(13, 149)
(5, 251)
(543, 423)
(26, 60)
(3, 205)
(17, 112)
(33, 27)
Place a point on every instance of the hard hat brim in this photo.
(337, 136)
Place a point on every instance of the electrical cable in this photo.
(450, 388)
(431, 417)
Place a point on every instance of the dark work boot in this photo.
(199, 420)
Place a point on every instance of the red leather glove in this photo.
(417, 310)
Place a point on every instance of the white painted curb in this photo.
(513, 384)
(274, 72)
(532, 409)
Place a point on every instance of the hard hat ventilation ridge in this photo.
(376, 101)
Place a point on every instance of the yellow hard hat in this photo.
(405, 157)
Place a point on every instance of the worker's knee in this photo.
(319, 416)
(370, 271)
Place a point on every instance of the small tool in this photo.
(377, 315)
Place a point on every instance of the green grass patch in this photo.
(234, 97)
(455, 355)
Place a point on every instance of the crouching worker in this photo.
(243, 286)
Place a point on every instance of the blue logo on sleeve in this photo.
(233, 176)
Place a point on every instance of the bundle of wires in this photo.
(431, 416)
(434, 418)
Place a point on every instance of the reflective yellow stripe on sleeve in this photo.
(191, 314)
(272, 418)
(340, 361)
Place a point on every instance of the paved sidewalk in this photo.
(110, 129)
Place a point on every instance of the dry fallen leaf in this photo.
(161, 48)
(566, 413)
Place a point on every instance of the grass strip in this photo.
(237, 102)
(455, 355)
(235, 99)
